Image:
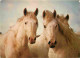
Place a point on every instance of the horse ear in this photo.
(44, 14)
(54, 13)
(58, 16)
(67, 17)
(36, 12)
(25, 11)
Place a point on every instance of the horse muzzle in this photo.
(31, 40)
(51, 44)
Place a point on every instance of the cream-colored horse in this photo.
(40, 49)
(65, 20)
(63, 42)
(14, 43)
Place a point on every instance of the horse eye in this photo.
(25, 22)
(44, 26)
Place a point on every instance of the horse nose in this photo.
(55, 42)
(49, 42)
(35, 38)
(52, 44)
(32, 40)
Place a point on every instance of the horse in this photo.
(14, 43)
(64, 20)
(63, 42)
(40, 49)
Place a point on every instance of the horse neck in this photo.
(15, 27)
(21, 36)
(61, 39)
(61, 43)
(70, 36)
(43, 35)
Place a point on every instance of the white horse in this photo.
(63, 42)
(40, 49)
(14, 43)
(64, 20)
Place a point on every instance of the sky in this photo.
(11, 10)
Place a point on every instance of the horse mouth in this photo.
(32, 42)
(52, 46)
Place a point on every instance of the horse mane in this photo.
(67, 32)
(62, 16)
(30, 14)
(20, 19)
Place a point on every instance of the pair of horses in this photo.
(57, 39)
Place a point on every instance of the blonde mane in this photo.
(63, 19)
(29, 14)
(62, 16)
(70, 36)
(20, 19)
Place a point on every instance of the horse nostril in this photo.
(35, 38)
(55, 42)
(44, 26)
(49, 42)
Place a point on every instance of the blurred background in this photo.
(11, 10)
